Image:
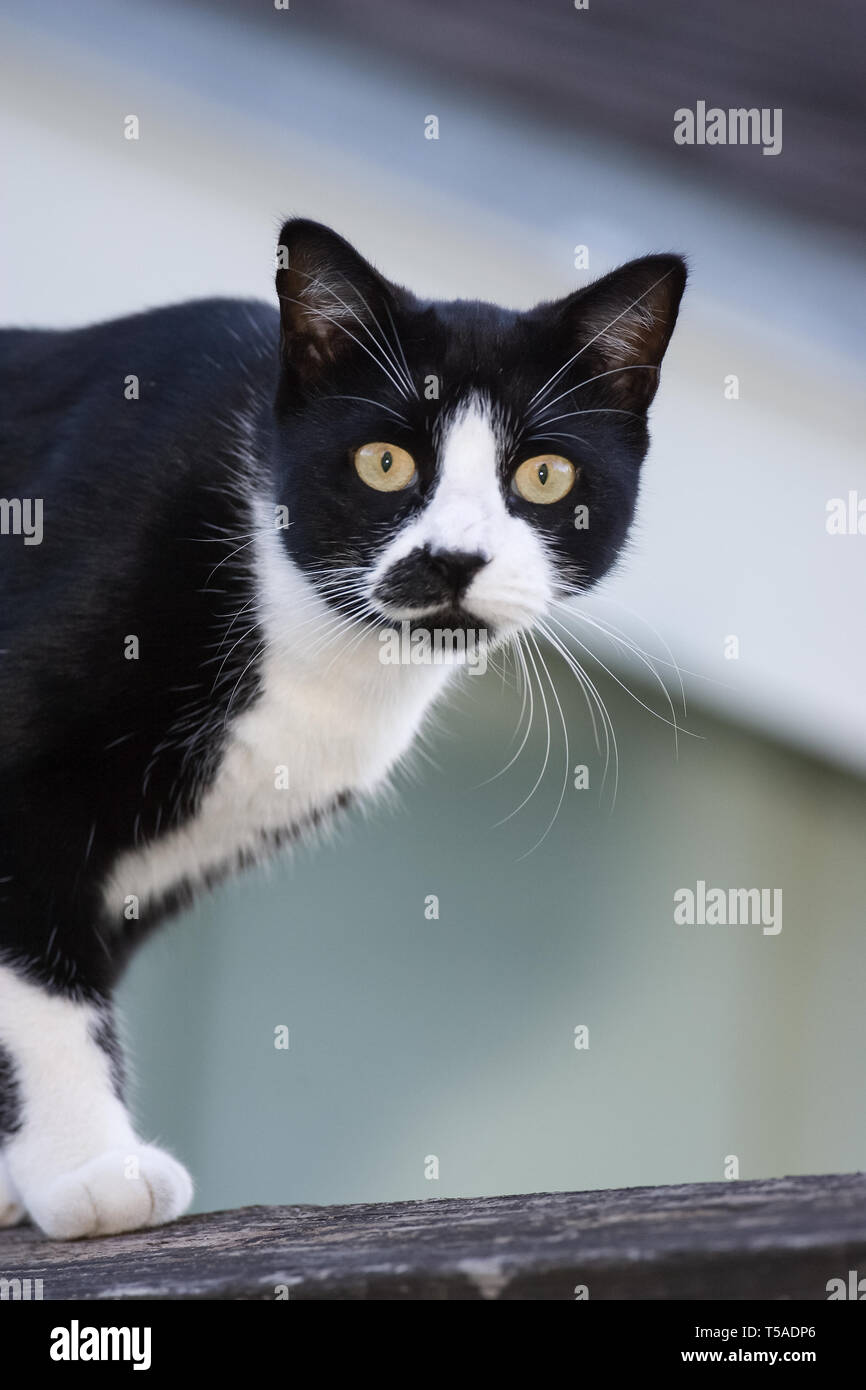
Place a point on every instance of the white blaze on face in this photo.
(467, 513)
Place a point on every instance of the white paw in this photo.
(11, 1210)
(118, 1190)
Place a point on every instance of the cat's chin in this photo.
(440, 620)
(476, 627)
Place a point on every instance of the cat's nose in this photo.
(427, 577)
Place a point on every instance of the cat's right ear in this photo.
(330, 298)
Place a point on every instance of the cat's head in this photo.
(455, 463)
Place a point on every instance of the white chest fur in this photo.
(331, 718)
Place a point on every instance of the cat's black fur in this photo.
(146, 523)
(98, 752)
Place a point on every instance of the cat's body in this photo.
(176, 764)
(191, 662)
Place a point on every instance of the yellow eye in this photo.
(546, 478)
(385, 467)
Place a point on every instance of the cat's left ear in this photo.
(623, 323)
(330, 298)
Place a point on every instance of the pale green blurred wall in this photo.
(454, 1037)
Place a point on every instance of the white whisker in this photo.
(592, 696)
(381, 344)
(634, 367)
(539, 778)
(565, 779)
(320, 313)
(600, 334)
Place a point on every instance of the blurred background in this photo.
(454, 1037)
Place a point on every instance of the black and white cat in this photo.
(209, 516)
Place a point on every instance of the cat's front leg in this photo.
(73, 1158)
(11, 1209)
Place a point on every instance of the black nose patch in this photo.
(425, 577)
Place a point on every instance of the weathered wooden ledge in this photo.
(781, 1238)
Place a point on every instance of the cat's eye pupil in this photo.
(384, 467)
(545, 478)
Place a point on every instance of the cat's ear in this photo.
(329, 296)
(623, 324)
